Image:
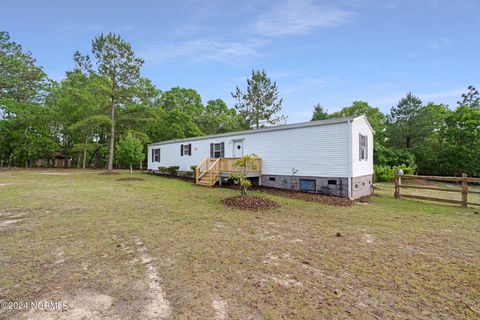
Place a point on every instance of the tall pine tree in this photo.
(259, 105)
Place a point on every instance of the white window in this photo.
(217, 150)
(156, 155)
(363, 150)
(186, 149)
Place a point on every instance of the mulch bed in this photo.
(130, 179)
(314, 197)
(250, 203)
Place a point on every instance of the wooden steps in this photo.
(209, 170)
(204, 181)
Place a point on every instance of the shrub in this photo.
(390, 156)
(193, 168)
(387, 173)
(169, 170)
(173, 170)
(163, 170)
(245, 164)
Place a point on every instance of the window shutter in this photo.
(222, 150)
(211, 150)
(366, 148)
(189, 149)
(359, 147)
(181, 150)
(153, 155)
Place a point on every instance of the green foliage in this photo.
(471, 98)
(130, 150)
(186, 100)
(169, 170)
(375, 117)
(319, 113)
(245, 165)
(459, 147)
(259, 105)
(404, 122)
(25, 125)
(120, 68)
(385, 173)
(193, 168)
(217, 117)
(20, 78)
(390, 156)
(105, 97)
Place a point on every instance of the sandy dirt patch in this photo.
(220, 307)
(9, 220)
(369, 238)
(85, 305)
(158, 307)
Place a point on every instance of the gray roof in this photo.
(267, 129)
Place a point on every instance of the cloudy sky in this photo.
(328, 52)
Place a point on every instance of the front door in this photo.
(238, 148)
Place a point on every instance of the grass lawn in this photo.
(167, 248)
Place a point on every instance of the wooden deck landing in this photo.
(209, 170)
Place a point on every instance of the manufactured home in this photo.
(332, 157)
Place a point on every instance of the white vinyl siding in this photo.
(362, 167)
(320, 151)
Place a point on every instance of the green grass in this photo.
(396, 258)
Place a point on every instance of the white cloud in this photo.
(294, 17)
(306, 84)
(456, 93)
(440, 43)
(446, 96)
(202, 50)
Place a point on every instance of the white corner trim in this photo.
(350, 159)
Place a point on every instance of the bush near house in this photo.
(387, 173)
(244, 164)
(169, 170)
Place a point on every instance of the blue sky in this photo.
(328, 52)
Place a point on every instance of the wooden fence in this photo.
(463, 182)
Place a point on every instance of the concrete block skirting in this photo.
(323, 185)
(362, 186)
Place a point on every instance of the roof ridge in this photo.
(305, 124)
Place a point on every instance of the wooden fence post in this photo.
(398, 184)
(464, 190)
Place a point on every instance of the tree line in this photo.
(105, 111)
(429, 139)
(104, 108)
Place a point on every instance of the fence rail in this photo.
(463, 190)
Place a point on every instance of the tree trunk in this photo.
(131, 169)
(112, 138)
(243, 191)
(85, 154)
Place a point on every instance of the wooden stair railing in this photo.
(208, 171)
(201, 169)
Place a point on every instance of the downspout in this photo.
(350, 159)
